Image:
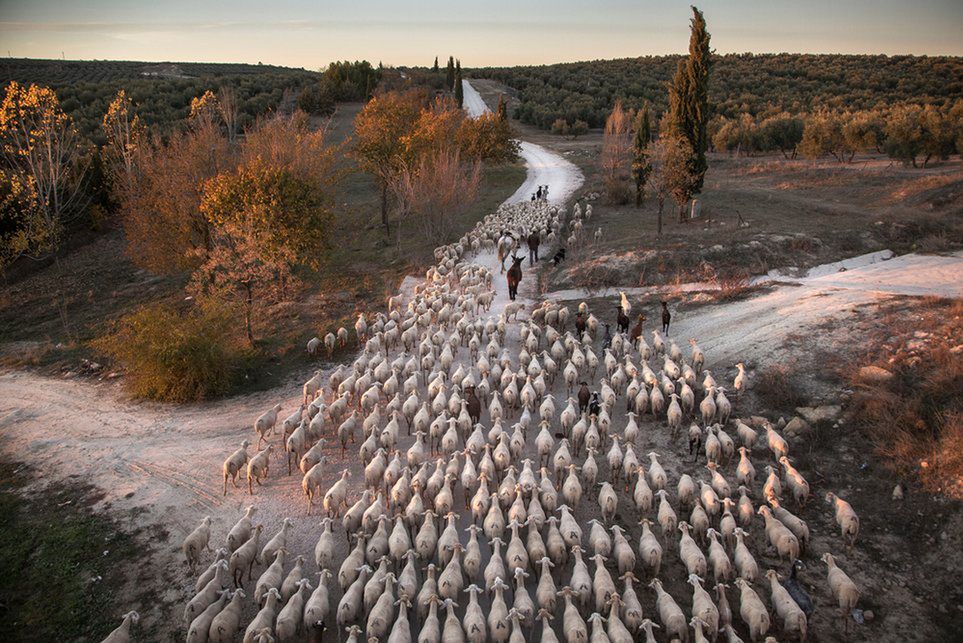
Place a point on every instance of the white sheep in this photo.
(265, 423)
(122, 633)
(846, 518)
(314, 345)
(234, 463)
(842, 586)
(201, 626)
(241, 530)
(752, 610)
(203, 599)
(226, 624)
(197, 541)
(257, 467)
(278, 542)
(264, 620)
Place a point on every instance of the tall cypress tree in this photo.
(459, 88)
(450, 76)
(502, 111)
(689, 96)
(435, 67)
(641, 165)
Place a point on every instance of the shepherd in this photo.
(514, 276)
(533, 240)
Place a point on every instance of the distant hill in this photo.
(161, 91)
(751, 83)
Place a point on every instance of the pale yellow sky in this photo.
(299, 33)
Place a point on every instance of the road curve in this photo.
(544, 166)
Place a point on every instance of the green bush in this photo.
(175, 355)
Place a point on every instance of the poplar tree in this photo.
(450, 75)
(641, 164)
(459, 88)
(688, 114)
(502, 111)
(435, 67)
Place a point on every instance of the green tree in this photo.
(578, 128)
(938, 135)
(641, 165)
(904, 133)
(435, 66)
(450, 73)
(459, 87)
(689, 97)
(783, 132)
(266, 220)
(673, 176)
(502, 111)
(822, 135)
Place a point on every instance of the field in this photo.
(161, 91)
(800, 214)
(742, 83)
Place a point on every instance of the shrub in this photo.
(736, 288)
(915, 418)
(776, 386)
(178, 356)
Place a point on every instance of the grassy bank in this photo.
(59, 563)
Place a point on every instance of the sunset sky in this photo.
(301, 33)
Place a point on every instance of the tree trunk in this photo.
(661, 205)
(249, 305)
(61, 295)
(384, 206)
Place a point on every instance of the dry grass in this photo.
(777, 386)
(915, 419)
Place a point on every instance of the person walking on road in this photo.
(533, 240)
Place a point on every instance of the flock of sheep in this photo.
(478, 485)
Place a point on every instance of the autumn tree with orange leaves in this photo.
(400, 136)
(615, 160)
(270, 215)
(382, 130)
(44, 165)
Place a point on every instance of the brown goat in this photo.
(514, 276)
(584, 395)
(637, 329)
